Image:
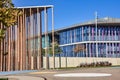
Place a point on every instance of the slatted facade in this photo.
(22, 46)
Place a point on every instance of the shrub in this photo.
(3, 78)
(95, 64)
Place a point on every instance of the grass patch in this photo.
(68, 68)
(115, 66)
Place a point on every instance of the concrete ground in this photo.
(49, 74)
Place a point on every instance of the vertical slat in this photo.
(46, 37)
(24, 33)
(18, 47)
(33, 39)
(86, 50)
(9, 51)
(113, 49)
(38, 25)
(30, 56)
(106, 50)
(1, 50)
(11, 61)
(53, 38)
(3, 54)
(21, 42)
(16, 54)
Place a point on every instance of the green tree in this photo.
(57, 51)
(78, 48)
(8, 16)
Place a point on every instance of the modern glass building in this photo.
(100, 40)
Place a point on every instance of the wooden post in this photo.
(18, 40)
(9, 49)
(31, 58)
(1, 50)
(24, 42)
(21, 43)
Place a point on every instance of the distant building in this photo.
(103, 42)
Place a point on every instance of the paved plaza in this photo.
(50, 74)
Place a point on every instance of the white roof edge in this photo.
(35, 6)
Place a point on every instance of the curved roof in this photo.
(100, 21)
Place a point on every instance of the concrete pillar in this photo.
(9, 48)
(106, 51)
(46, 36)
(31, 26)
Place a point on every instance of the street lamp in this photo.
(96, 17)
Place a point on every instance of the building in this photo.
(21, 49)
(100, 39)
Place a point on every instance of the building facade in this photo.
(100, 40)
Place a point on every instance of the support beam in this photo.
(46, 37)
(16, 54)
(21, 42)
(1, 51)
(24, 40)
(9, 48)
(53, 38)
(39, 25)
(31, 27)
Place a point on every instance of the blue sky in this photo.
(69, 12)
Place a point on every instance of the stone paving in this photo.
(109, 70)
(49, 74)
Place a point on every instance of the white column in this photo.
(89, 33)
(53, 37)
(109, 35)
(113, 48)
(106, 50)
(99, 35)
(74, 36)
(31, 35)
(38, 25)
(46, 36)
(71, 36)
(86, 50)
(119, 50)
(115, 35)
(90, 49)
(82, 34)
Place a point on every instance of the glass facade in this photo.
(103, 43)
